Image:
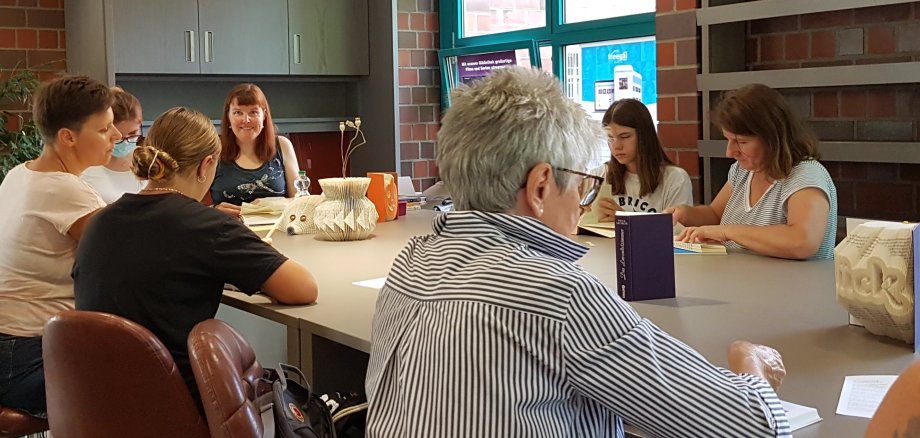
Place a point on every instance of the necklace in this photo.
(162, 189)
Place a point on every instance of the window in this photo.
(484, 17)
(577, 11)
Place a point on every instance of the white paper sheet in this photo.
(374, 283)
(404, 186)
(861, 395)
(800, 416)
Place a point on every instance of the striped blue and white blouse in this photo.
(771, 208)
(487, 328)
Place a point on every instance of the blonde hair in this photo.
(176, 143)
(126, 106)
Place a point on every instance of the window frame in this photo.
(555, 34)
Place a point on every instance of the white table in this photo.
(789, 305)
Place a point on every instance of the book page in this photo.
(861, 395)
(800, 416)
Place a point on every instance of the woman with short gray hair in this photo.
(488, 328)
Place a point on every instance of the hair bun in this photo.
(153, 164)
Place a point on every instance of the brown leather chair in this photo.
(15, 423)
(226, 370)
(106, 376)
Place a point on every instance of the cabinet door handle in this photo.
(298, 57)
(190, 46)
(208, 46)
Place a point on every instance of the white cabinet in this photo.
(208, 36)
(328, 37)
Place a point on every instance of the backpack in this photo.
(292, 410)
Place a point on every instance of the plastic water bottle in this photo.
(302, 184)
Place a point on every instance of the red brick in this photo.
(689, 161)
(7, 39)
(823, 45)
(47, 39)
(881, 40)
(417, 57)
(433, 130)
(853, 171)
(683, 5)
(7, 2)
(26, 39)
(688, 109)
(750, 50)
(677, 81)
(408, 114)
(679, 136)
(419, 95)
(425, 40)
(664, 6)
(433, 168)
(405, 95)
(408, 151)
(417, 21)
(12, 17)
(28, 3)
(910, 172)
(432, 22)
(827, 19)
(796, 46)
(853, 104)
(881, 104)
(402, 21)
(420, 169)
(50, 4)
(775, 25)
(405, 58)
(431, 58)
(45, 18)
(686, 51)
(420, 132)
(664, 54)
(883, 14)
(405, 132)
(62, 41)
(667, 109)
(408, 76)
(825, 104)
(771, 48)
(884, 198)
(12, 123)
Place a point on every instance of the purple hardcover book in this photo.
(644, 255)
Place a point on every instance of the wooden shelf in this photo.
(847, 151)
(845, 75)
(755, 10)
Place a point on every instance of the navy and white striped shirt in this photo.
(488, 328)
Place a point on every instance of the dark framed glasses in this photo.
(588, 187)
(131, 138)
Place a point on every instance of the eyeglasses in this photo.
(589, 186)
(136, 138)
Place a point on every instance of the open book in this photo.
(590, 222)
(699, 248)
(800, 416)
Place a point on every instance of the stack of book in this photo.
(699, 248)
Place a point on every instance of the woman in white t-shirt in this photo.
(779, 200)
(115, 178)
(46, 207)
(640, 176)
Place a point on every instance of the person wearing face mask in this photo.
(115, 178)
(779, 200)
(254, 162)
(641, 176)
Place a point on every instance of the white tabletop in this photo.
(789, 305)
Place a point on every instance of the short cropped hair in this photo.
(760, 111)
(66, 102)
(498, 128)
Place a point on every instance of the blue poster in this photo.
(620, 70)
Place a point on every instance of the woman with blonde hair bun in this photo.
(161, 258)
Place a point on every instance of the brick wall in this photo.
(881, 34)
(679, 125)
(419, 90)
(31, 37)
